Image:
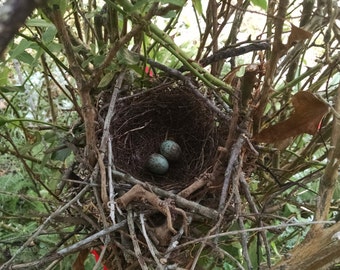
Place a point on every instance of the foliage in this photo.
(69, 54)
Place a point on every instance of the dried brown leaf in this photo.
(297, 34)
(308, 113)
(80, 260)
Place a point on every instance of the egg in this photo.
(157, 164)
(170, 150)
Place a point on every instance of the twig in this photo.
(192, 206)
(257, 229)
(274, 58)
(102, 253)
(79, 245)
(106, 143)
(66, 41)
(137, 192)
(102, 169)
(93, 178)
(225, 253)
(207, 78)
(198, 254)
(110, 113)
(134, 239)
(135, 31)
(252, 206)
(235, 152)
(232, 52)
(238, 202)
(221, 212)
(154, 252)
(112, 195)
(52, 106)
(174, 240)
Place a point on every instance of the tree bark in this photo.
(13, 15)
(321, 252)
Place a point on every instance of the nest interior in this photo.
(169, 111)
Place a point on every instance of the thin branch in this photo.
(245, 188)
(232, 52)
(240, 218)
(257, 229)
(66, 41)
(235, 152)
(81, 244)
(230, 257)
(154, 252)
(134, 239)
(110, 113)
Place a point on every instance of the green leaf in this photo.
(20, 48)
(171, 14)
(49, 34)
(179, 3)
(140, 5)
(98, 60)
(126, 57)
(198, 6)
(38, 23)
(106, 80)
(50, 136)
(4, 72)
(13, 89)
(61, 155)
(260, 3)
(290, 209)
(55, 47)
(253, 253)
(25, 57)
(3, 120)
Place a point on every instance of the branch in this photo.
(181, 202)
(13, 15)
(329, 179)
(232, 52)
(321, 252)
(64, 37)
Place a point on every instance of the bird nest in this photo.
(169, 111)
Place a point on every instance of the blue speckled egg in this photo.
(157, 164)
(170, 150)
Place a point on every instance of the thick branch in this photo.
(328, 181)
(13, 14)
(320, 253)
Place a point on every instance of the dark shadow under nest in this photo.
(168, 111)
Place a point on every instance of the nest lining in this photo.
(173, 112)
